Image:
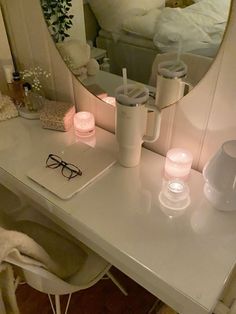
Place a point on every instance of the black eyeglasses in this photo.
(68, 170)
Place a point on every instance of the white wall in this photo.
(200, 122)
(78, 29)
(221, 125)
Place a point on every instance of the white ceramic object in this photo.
(220, 177)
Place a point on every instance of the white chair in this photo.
(44, 281)
(92, 270)
(197, 66)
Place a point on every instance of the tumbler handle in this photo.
(156, 125)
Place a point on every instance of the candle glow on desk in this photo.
(84, 124)
(178, 163)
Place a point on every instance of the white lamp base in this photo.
(221, 201)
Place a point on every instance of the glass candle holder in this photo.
(84, 124)
(175, 194)
(178, 163)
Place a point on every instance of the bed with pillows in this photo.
(134, 31)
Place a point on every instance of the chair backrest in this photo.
(40, 278)
(94, 268)
(197, 66)
(91, 271)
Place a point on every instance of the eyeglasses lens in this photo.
(53, 161)
(70, 171)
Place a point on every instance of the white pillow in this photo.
(111, 13)
(143, 25)
(75, 52)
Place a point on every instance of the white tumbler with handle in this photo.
(171, 84)
(131, 120)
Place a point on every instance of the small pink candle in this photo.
(84, 124)
(178, 163)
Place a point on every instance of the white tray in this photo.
(92, 162)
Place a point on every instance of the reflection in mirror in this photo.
(177, 40)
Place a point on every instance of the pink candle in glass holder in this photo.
(84, 124)
(178, 163)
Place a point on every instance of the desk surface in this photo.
(183, 259)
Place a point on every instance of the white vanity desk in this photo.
(183, 260)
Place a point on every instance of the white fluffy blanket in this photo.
(8, 303)
(195, 26)
(63, 257)
(198, 26)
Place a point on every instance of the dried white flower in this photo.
(33, 75)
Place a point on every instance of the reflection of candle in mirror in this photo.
(110, 100)
(84, 124)
(178, 163)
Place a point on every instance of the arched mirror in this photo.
(97, 38)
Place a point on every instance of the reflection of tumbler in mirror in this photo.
(171, 85)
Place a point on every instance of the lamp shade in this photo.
(220, 177)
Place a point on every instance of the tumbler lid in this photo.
(172, 69)
(137, 94)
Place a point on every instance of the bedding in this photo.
(133, 34)
(144, 25)
(205, 22)
(132, 39)
(112, 13)
(133, 52)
